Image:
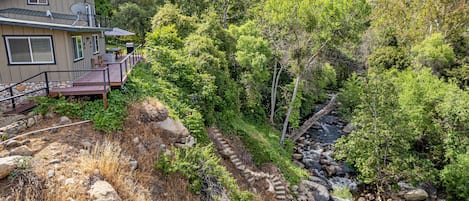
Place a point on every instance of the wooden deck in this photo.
(96, 81)
(100, 82)
(116, 70)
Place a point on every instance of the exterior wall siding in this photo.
(16, 73)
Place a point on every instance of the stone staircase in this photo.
(275, 184)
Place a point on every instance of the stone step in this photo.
(235, 160)
(281, 197)
(280, 192)
(277, 183)
(279, 188)
(238, 163)
(251, 180)
(233, 157)
(240, 167)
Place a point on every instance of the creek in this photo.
(317, 150)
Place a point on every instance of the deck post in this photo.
(105, 100)
(13, 99)
(108, 76)
(47, 83)
(122, 78)
(104, 81)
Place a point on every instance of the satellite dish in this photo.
(78, 8)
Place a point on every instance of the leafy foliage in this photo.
(455, 177)
(388, 57)
(434, 53)
(202, 166)
(58, 105)
(409, 125)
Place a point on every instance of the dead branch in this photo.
(308, 123)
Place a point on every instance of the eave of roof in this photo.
(51, 26)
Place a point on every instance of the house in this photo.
(50, 44)
(48, 35)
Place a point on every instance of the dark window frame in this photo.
(8, 53)
(37, 4)
(74, 45)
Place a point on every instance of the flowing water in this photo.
(318, 148)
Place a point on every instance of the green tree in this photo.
(434, 53)
(305, 27)
(253, 56)
(135, 18)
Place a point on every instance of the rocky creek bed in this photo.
(315, 152)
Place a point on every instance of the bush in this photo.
(455, 177)
(58, 105)
(110, 119)
(202, 167)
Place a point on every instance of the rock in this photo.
(49, 115)
(153, 110)
(103, 191)
(297, 156)
(174, 127)
(4, 153)
(348, 128)
(64, 120)
(136, 140)
(191, 141)
(133, 165)
(361, 199)
(69, 181)
(31, 122)
(141, 148)
(50, 173)
(7, 165)
(12, 144)
(54, 161)
(320, 192)
(22, 151)
(86, 145)
(416, 195)
(330, 169)
(320, 181)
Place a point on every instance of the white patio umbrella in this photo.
(118, 32)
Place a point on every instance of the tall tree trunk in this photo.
(290, 108)
(273, 99)
(308, 123)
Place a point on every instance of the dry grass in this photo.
(113, 166)
(29, 186)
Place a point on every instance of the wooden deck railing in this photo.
(44, 77)
(127, 63)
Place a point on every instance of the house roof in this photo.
(51, 26)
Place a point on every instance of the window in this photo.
(95, 44)
(30, 49)
(38, 2)
(77, 48)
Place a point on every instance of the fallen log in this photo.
(313, 119)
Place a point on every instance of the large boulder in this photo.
(173, 126)
(152, 110)
(103, 191)
(7, 165)
(22, 151)
(321, 193)
(416, 195)
(348, 128)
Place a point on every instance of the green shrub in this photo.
(198, 164)
(262, 142)
(110, 119)
(58, 105)
(343, 193)
(455, 177)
